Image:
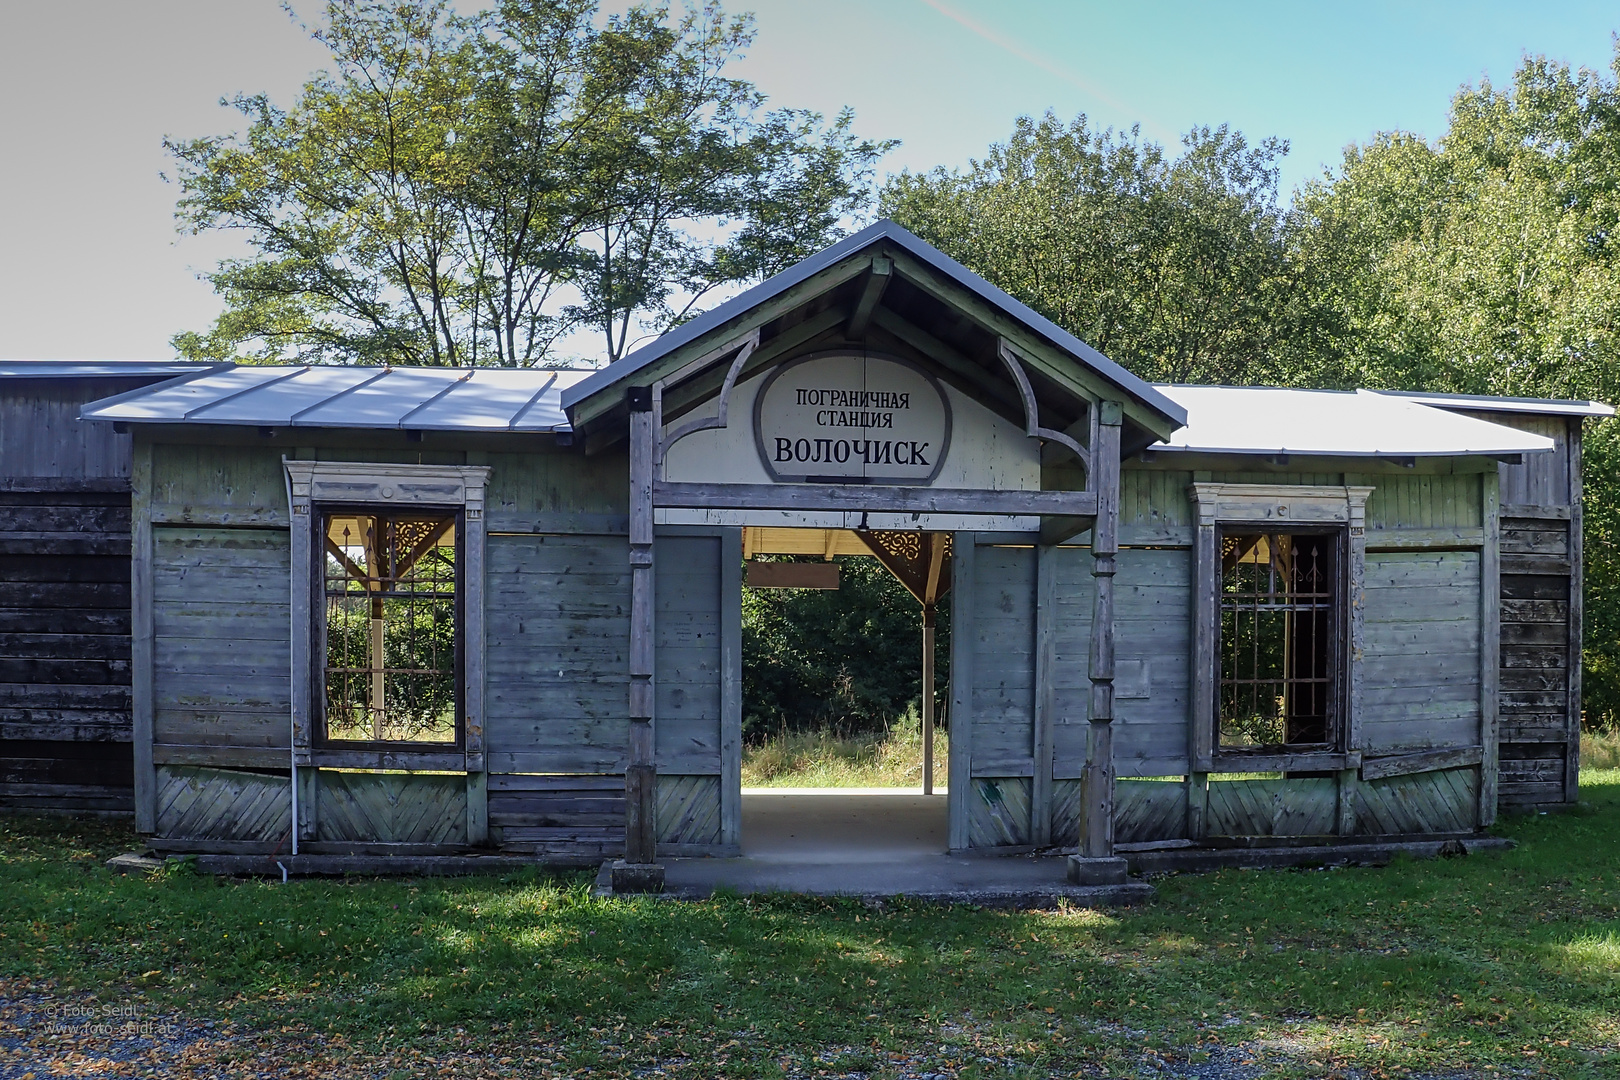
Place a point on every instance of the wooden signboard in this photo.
(851, 418)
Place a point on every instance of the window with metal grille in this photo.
(1279, 609)
(392, 627)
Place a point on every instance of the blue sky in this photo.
(90, 266)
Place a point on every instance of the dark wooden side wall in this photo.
(1540, 676)
(64, 599)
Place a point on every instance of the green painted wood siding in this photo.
(221, 627)
(1152, 641)
(219, 484)
(522, 486)
(556, 653)
(1423, 502)
(686, 677)
(1421, 673)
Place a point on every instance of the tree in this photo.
(468, 190)
(1487, 262)
(1170, 267)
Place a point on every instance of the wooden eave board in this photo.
(1055, 353)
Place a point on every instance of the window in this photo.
(1277, 626)
(1279, 641)
(392, 626)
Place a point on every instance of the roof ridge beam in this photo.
(877, 280)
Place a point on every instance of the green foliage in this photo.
(1449, 967)
(468, 189)
(847, 661)
(1484, 262)
(1173, 267)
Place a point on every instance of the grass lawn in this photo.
(819, 759)
(1484, 966)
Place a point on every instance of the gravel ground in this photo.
(47, 1034)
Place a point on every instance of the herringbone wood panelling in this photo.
(1144, 810)
(195, 803)
(1147, 810)
(998, 812)
(688, 810)
(1300, 807)
(1431, 802)
(394, 808)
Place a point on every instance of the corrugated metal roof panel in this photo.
(452, 399)
(1330, 423)
(1482, 403)
(98, 369)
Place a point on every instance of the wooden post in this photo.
(303, 555)
(1572, 683)
(474, 531)
(963, 632)
(638, 870)
(928, 700)
(731, 542)
(142, 698)
(1490, 638)
(1096, 863)
(1040, 788)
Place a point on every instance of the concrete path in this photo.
(875, 843)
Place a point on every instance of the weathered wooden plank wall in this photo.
(999, 812)
(65, 736)
(1003, 702)
(221, 646)
(1537, 656)
(568, 816)
(1421, 678)
(687, 813)
(1152, 624)
(562, 491)
(64, 646)
(556, 653)
(686, 677)
(41, 434)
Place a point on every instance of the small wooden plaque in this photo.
(792, 575)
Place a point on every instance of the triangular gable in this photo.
(883, 289)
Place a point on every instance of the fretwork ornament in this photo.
(920, 561)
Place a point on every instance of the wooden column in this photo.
(964, 631)
(1096, 863)
(928, 700)
(474, 531)
(638, 871)
(142, 698)
(1490, 643)
(1572, 684)
(1040, 788)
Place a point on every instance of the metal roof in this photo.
(1333, 423)
(1483, 403)
(101, 369)
(433, 399)
(881, 230)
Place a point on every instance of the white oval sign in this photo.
(852, 418)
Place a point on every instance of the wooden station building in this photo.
(410, 611)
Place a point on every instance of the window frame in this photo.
(318, 487)
(1276, 508)
(321, 737)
